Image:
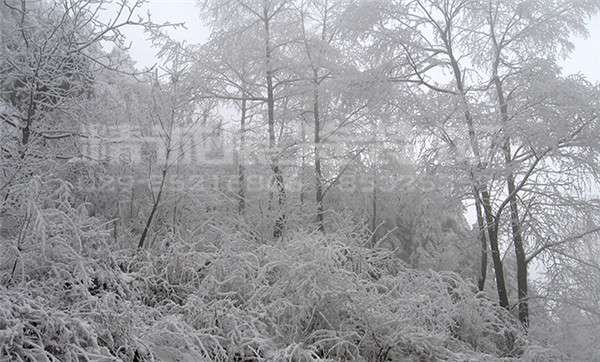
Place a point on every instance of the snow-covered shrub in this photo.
(57, 240)
(29, 331)
(167, 275)
(69, 294)
(314, 297)
(63, 293)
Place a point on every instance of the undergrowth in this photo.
(70, 294)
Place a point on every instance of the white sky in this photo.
(173, 11)
(585, 59)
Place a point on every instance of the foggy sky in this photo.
(585, 59)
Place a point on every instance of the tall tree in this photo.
(269, 21)
(517, 32)
(416, 38)
(50, 52)
(491, 52)
(320, 29)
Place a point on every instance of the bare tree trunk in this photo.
(132, 198)
(168, 149)
(483, 240)
(303, 164)
(154, 209)
(26, 132)
(485, 195)
(494, 246)
(242, 160)
(521, 259)
(317, 151)
(515, 222)
(374, 209)
(374, 191)
(277, 174)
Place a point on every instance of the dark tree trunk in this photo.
(278, 182)
(515, 222)
(482, 239)
(374, 201)
(521, 259)
(522, 278)
(242, 160)
(302, 165)
(496, 257)
(491, 226)
(317, 151)
(155, 206)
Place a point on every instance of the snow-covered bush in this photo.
(70, 294)
(323, 297)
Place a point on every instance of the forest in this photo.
(318, 180)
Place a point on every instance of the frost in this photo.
(312, 297)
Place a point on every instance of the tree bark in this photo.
(521, 259)
(317, 154)
(374, 210)
(302, 163)
(483, 240)
(242, 160)
(168, 144)
(154, 209)
(494, 246)
(491, 228)
(278, 181)
(374, 190)
(515, 222)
